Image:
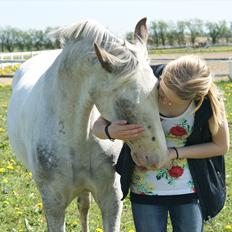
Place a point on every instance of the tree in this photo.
(28, 40)
(154, 33)
(10, 38)
(162, 28)
(37, 39)
(213, 31)
(180, 32)
(171, 34)
(2, 39)
(224, 31)
(230, 32)
(195, 27)
(21, 39)
(49, 41)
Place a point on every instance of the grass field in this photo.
(21, 207)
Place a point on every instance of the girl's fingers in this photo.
(132, 132)
(132, 127)
(124, 125)
(122, 130)
(121, 122)
(131, 135)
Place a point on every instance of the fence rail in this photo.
(11, 61)
(20, 57)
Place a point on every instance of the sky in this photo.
(118, 16)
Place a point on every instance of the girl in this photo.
(190, 186)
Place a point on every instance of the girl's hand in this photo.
(123, 131)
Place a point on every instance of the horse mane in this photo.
(90, 30)
(126, 55)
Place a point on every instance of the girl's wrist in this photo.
(106, 129)
(174, 153)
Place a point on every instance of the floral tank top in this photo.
(176, 179)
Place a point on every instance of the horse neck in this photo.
(73, 101)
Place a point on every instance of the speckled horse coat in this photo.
(52, 110)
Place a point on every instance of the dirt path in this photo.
(217, 67)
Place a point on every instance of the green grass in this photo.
(20, 202)
(215, 49)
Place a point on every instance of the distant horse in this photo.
(51, 114)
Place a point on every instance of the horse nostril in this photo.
(153, 138)
(146, 158)
(149, 127)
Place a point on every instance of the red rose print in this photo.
(175, 171)
(178, 131)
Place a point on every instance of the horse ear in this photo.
(104, 58)
(141, 33)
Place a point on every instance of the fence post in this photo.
(230, 68)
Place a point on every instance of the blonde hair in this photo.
(190, 78)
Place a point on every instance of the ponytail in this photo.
(216, 102)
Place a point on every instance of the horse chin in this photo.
(146, 162)
(142, 162)
(137, 159)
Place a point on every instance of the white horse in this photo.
(51, 113)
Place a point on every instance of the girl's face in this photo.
(168, 97)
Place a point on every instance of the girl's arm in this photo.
(219, 146)
(117, 130)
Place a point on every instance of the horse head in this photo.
(129, 92)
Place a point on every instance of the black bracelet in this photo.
(177, 153)
(107, 131)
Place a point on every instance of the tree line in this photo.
(193, 32)
(13, 39)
